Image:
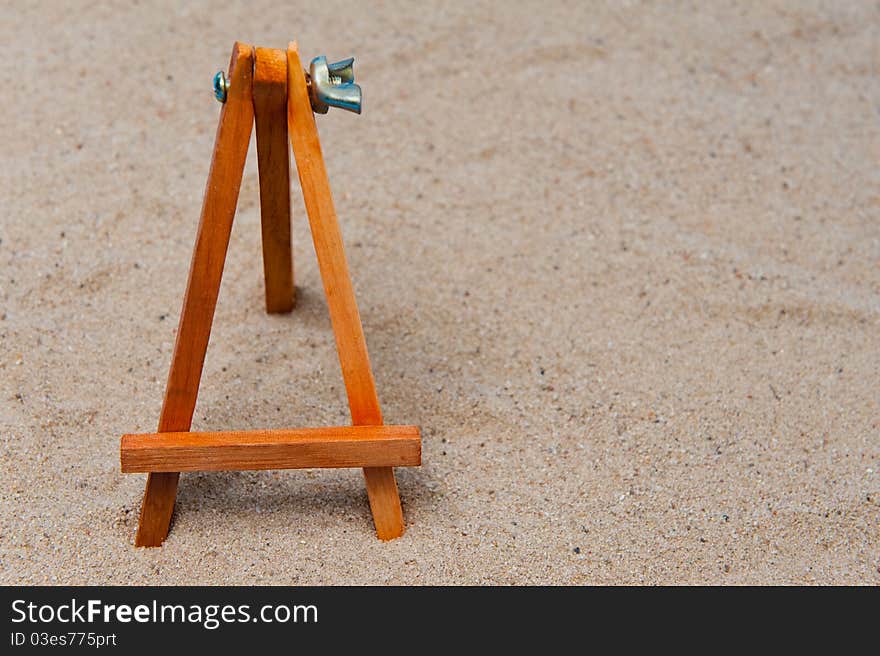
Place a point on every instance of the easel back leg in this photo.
(273, 157)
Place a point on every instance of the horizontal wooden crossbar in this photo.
(341, 446)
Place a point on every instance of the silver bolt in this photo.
(332, 85)
(221, 86)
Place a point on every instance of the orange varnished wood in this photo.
(209, 256)
(342, 446)
(384, 502)
(344, 315)
(264, 86)
(273, 157)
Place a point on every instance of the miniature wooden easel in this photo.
(269, 87)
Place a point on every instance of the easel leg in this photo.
(273, 155)
(209, 256)
(384, 502)
(344, 315)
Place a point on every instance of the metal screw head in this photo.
(332, 85)
(221, 86)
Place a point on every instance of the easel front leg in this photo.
(206, 270)
(344, 315)
(273, 156)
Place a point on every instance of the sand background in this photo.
(620, 261)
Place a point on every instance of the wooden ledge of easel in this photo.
(342, 446)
